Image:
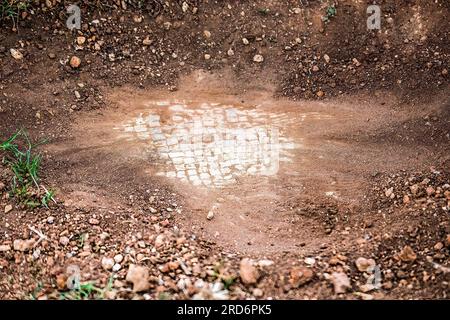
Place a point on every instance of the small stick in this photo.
(45, 189)
(39, 233)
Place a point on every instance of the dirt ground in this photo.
(346, 196)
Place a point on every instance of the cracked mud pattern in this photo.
(211, 144)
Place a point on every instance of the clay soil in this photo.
(368, 112)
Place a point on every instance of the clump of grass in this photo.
(329, 13)
(81, 291)
(228, 281)
(33, 295)
(84, 291)
(219, 273)
(164, 296)
(25, 165)
(82, 239)
(11, 9)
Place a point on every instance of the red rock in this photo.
(61, 281)
(248, 272)
(406, 199)
(23, 245)
(430, 191)
(173, 265)
(300, 276)
(363, 264)
(75, 62)
(138, 276)
(407, 254)
(340, 281)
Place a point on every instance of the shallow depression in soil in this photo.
(242, 159)
(266, 171)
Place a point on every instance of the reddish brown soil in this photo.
(379, 122)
